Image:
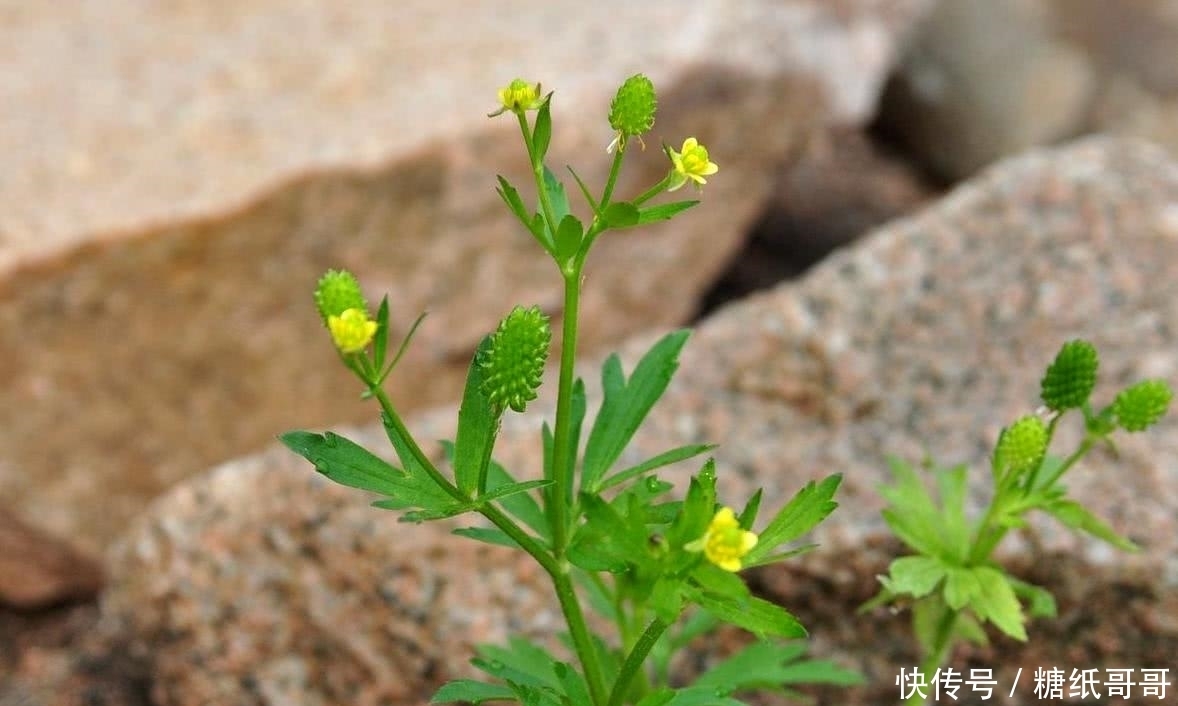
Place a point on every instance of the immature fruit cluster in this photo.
(1022, 445)
(1071, 376)
(632, 111)
(1140, 406)
(513, 364)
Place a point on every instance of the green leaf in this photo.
(542, 132)
(558, 199)
(1076, 516)
(487, 535)
(344, 461)
(912, 515)
(403, 445)
(585, 191)
(997, 603)
(380, 343)
(607, 541)
(626, 404)
(521, 662)
(471, 691)
(621, 214)
(961, 586)
(568, 237)
(666, 458)
(522, 506)
(718, 582)
(748, 516)
(663, 212)
(955, 529)
(916, 576)
(350, 464)
(572, 684)
(1041, 602)
(478, 425)
(756, 615)
(532, 221)
(773, 666)
(662, 697)
(698, 696)
(698, 509)
(808, 507)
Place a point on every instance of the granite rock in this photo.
(168, 200)
(260, 584)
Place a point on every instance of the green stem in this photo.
(614, 168)
(538, 174)
(560, 492)
(653, 191)
(579, 632)
(493, 514)
(1085, 447)
(937, 655)
(634, 661)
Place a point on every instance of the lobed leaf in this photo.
(626, 404)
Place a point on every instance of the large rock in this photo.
(261, 584)
(982, 80)
(171, 195)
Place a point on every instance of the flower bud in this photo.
(1140, 406)
(338, 291)
(1022, 445)
(513, 364)
(519, 96)
(1071, 376)
(632, 111)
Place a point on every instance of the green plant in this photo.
(663, 571)
(952, 582)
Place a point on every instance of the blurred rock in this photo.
(984, 80)
(39, 570)
(261, 584)
(168, 200)
(835, 189)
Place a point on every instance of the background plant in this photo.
(663, 571)
(952, 583)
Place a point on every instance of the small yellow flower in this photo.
(690, 163)
(725, 543)
(518, 96)
(352, 330)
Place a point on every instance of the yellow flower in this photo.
(352, 330)
(690, 163)
(725, 543)
(518, 96)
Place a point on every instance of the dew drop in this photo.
(652, 484)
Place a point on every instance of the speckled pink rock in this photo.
(261, 584)
(169, 197)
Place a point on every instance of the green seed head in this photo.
(1022, 445)
(338, 291)
(1070, 377)
(513, 364)
(1140, 406)
(632, 111)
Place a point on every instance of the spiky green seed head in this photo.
(1140, 406)
(1022, 446)
(1070, 377)
(632, 111)
(513, 365)
(338, 291)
